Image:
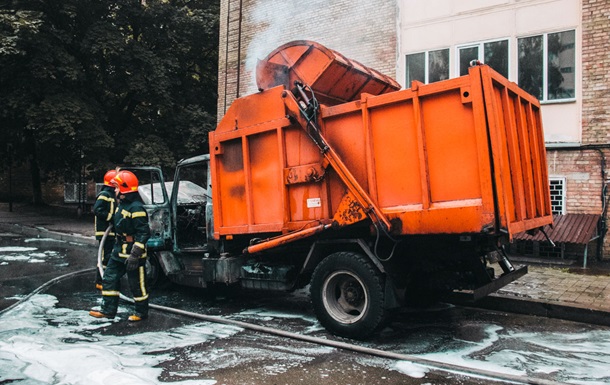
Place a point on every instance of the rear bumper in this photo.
(485, 290)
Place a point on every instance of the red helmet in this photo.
(108, 177)
(126, 181)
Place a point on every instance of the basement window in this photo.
(558, 195)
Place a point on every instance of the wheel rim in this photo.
(345, 297)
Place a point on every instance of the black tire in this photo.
(155, 277)
(348, 297)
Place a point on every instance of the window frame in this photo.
(545, 64)
(427, 64)
(480, 45)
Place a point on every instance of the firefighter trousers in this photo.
(111, 286)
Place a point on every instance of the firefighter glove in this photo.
(134, 258)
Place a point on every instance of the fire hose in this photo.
(445, 367)
(338, 344)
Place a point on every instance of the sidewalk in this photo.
(551, 290)
(48, 222)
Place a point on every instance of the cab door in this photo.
(153, 191)
(191, 206)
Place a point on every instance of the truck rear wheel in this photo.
(347, 293)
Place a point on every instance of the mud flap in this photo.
(498, 283)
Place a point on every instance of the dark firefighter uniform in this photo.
(104, 208)
(129, 252)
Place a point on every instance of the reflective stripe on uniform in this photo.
(140, 245)
(111, 211)
(138, 214)
(125, 213)
(111, 293)
(110, 234)
(105, 198)
(142, 284)
(140, 299)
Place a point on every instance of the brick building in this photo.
(251, 29)
(555, 49)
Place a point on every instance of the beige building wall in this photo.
(439, 24)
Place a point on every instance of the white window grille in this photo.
(98, 188)
(558, 195)
(71, 191)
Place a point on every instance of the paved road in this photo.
(50, 338)
(550, 289)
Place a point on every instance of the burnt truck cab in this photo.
(181, 247)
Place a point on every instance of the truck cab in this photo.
(181, 220)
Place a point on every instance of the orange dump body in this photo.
(465, 155)
(333, 77)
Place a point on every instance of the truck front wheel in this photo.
(155, 278)
(347, 293)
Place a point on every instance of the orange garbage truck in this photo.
(332, 176)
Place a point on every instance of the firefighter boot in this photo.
(136, 318)
(99, 314)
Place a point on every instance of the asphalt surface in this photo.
(552, 288)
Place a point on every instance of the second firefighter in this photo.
(129, 253)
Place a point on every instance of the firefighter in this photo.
(129, 252)
(104, 207)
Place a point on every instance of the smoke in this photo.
(336, 24)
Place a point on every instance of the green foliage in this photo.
(90, 83)
(150, 150)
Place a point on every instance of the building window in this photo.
(493, 53)
(427, 67)
(547, 65)
(558, 195)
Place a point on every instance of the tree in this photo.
(99, 82)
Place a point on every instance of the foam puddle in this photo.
(27, 254)
(41, 344)
(578, 358)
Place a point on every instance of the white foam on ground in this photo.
(41, 344)
(27, 255)
(28, 240)
(578, 358)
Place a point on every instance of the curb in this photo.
(39, 232)
(530, 306)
